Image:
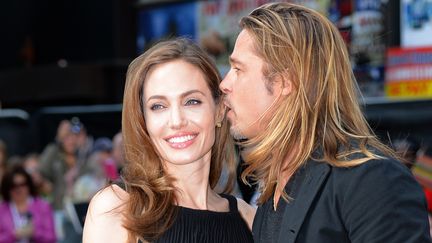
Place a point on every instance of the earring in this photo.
(218, 124)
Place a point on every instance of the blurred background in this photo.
(61, 59)
(63, 66)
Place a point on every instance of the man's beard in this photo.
(236, 133)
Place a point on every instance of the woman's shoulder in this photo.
(104, 220)
(247, 211)
(4, 205)
(40, 203)
(110, 198)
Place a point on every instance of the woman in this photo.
(3, 158)
(24, 216)
(175, 140)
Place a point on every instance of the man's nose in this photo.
(225, 85)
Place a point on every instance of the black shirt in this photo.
(204, 226)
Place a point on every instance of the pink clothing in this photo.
(110, 169)
(42, 218)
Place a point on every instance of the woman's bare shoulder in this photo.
(104, 220)
(247, 211)
(108, 199)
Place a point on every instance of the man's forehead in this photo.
(244, 48)
(235, 60)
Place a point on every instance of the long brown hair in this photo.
(321, 113)
(150, 209)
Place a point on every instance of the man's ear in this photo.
(286, 83)
(287, 86)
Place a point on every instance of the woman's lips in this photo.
(181, 141)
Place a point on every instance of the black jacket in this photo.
(378, 201)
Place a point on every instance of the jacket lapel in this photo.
(311, 180)
(257, 223)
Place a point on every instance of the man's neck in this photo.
(283, 179)
(280, 188)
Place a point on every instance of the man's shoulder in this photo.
(374, 177)
(379, 167)
(384, 173)
(50, 152)
(51, 148)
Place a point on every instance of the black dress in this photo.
(203, 226)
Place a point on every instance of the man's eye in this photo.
(156, 107)
(193, 102)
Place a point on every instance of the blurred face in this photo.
(20, 190)
(1, 158)
(179, 112)
(70, 143)
(246, 96)
(31, 165)
(117, 151)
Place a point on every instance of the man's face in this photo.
(246, 96)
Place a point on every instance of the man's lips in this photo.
(227, 104)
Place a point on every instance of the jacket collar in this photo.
(309, 181)
(295, 212)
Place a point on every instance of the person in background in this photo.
(31, 164)
(25, 217)
(118, 152)
(59, 165)
(102, 149)
(3, 158)
(322, 174)
(422, 170)
(407, 149)
(84, 141)
(58, 162)
(176, 142)
(100, 169)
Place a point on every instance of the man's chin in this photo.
(237, 134)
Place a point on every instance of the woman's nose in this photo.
(177, 118)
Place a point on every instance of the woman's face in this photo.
(179, 111)
(20, 188)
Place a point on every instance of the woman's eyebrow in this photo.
(162, 97)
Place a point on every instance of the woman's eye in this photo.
(193, 102)
(156, 107)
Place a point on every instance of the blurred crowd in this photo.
(418, 158)
(44, 197)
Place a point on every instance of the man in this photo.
(322, 174)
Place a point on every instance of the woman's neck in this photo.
(21, 205)
(192, 183)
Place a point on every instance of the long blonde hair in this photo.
(150, 209)
(321, 113)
